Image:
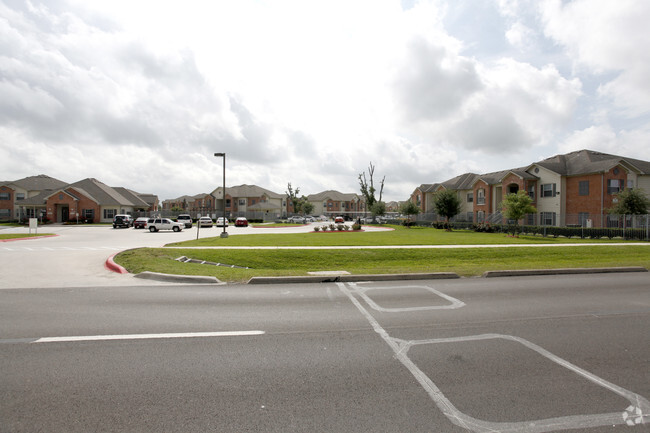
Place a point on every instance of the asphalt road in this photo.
(564, 353)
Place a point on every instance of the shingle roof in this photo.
(40, 182)
(589, 161)
(244, 191)
(332, 195)
(132, 196)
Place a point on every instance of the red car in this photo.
(241, 222)
(339, 220)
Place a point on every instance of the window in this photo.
(470, 197)
(5, 196)
(630, 183)
(20, 196)
(5, 213)
(547, 190)
(109, 213)
(88, 214)
(242, 202)
(548, 218)
(480, 196)
(531, 192)
(330, 204)
(480, 216)
(614, 186)
(227, 202)
(531, 219)
(470, 216)
(583, 187)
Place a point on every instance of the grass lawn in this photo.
(22, 235)
(399, 236)
(464, 261)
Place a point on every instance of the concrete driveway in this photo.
(76, 256)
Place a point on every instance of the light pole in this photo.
(224, 234)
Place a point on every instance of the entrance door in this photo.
(65, 214)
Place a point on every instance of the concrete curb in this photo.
(561, 271)
(190, 279)
(352, 278)
(114, 267)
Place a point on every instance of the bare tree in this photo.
(368, 189)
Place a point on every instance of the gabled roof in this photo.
(40, 182)
(332, 195)
(428, 187)
(244, 191)
(132, 196)
(463, 181)
(589, 161)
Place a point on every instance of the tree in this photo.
(515, 206)
(378, 209)
(447, 204)
(306, 207)
(631, 201)
(368, 189)
(293, 197)
(409, 208)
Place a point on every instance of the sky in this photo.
(141, 94)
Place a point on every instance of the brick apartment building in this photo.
(576, 188)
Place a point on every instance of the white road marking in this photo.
(639, 406)
(146, 336)
(454, 303)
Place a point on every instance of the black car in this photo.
(122, 221)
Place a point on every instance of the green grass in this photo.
(464, 261)
(398, 236)
(22, 235)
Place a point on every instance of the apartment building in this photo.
(576, 188)
(13, 196)
(251, 201)
(333, 203)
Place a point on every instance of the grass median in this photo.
(468, 261)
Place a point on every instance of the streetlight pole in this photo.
(224, 234)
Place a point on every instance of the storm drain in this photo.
(184, 259)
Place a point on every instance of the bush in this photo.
(316, 228)
(356, 226)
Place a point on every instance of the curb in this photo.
(561, 271)
(114, 267)
(28, 238)
(192, 279)
(352, 278)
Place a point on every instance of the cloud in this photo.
(603, 37)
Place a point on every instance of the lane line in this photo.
(146, 336)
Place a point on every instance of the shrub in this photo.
(356, 226)
(316, 228)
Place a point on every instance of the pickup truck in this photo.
(156, 224)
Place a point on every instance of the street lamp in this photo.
(224, 234)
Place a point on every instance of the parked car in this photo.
(339, 220)
(157, 224)
(185, 219)
(140, 223)
(122, 220)
(296, 219)
(241, 222)
(205, 222)
(310, 219)
(222, 222)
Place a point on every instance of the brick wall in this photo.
(7, 204)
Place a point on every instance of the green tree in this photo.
(631, 201)
(306, 207)
(409, 208)
(378, 209)
(368, 188)
(515, 206)
(447, 204)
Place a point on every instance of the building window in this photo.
(480, 196)
(5, 196)
(548, 218)
(630, 183)
(242, 202)
(330, 204)
(614, 186)
(470, 217)
(227, 202)
(470, 197)
(20, 196)
(583, 187)
(5, 213)
(480, 216)
(530, 219)
(531, 192)
(88, 214)
(547, 190)
(109, 213)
